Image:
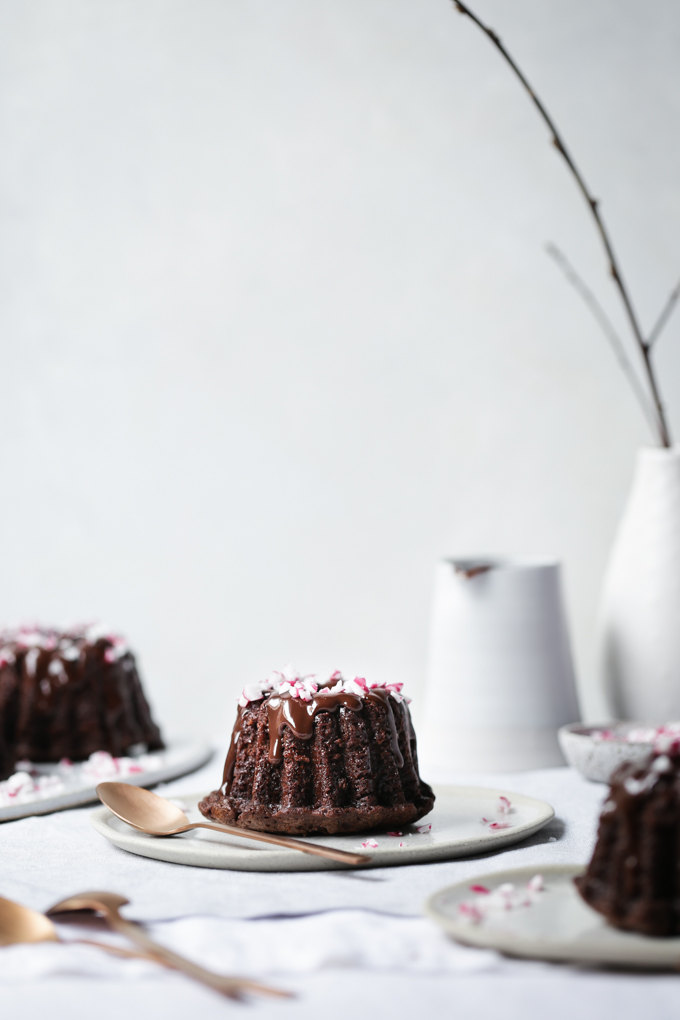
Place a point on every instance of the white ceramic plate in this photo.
(457, 829)
(178, 758)
(596, 758)
(557, 926)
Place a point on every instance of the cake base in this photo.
(301, 821)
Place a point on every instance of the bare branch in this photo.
(593, 205)
(665, 315)
(607, 328)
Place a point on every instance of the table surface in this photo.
(347, 943)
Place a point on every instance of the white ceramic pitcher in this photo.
(501, 680)
(639, 628)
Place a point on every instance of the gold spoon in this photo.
(108, 905)
(21, 924)
(156, 816)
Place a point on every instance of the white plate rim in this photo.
(178, 851)
(629, 949)
(196, 754)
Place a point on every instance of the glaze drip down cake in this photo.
(633, 878)
(67, 694)
(320, 756)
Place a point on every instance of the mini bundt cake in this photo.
(634, 875)
(330, 756)
(68, 694)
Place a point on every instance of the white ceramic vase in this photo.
(639, 621)
(501, 680)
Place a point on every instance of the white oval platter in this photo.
(460, 824)
(558, 925)
(177, 759)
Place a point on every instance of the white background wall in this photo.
(277, 326)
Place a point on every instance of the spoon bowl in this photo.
(142, 809)
(21, 924)
(108, 906)
(157, 816)
(106, 903)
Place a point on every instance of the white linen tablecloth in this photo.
(345, 942)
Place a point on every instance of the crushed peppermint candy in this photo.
(504, 808)
(667, 742)
(39, 782)
(661, 764)
(66, 645)
(470, 912)
(423, 828)
(635, 786)
(395, 833)
(504, 897)
(369, 844)
(101, 765)
(664, 739)
(306, 686)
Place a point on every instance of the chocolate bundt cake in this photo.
(634, 875)
(327, 756)
(68, 694)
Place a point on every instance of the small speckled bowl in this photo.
(595, 757)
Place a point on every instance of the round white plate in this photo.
(460, 825)
(177, 759)
(557, 925)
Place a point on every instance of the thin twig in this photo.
(607, 328)
(665, 315)
(664, 434)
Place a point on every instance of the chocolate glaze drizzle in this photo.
(228, 774)
(299, 716)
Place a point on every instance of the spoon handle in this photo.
(119, 951)
(288, 841)
(233, 987)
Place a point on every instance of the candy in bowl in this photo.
(596, 750)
